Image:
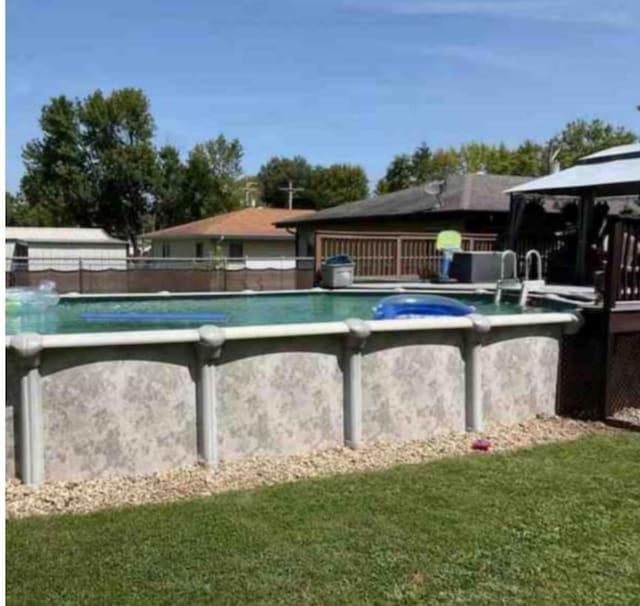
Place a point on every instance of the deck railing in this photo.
(392, 255)
(622, 276)
(408, 256)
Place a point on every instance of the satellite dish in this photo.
(434, 188)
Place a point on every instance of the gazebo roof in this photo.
(611, 172)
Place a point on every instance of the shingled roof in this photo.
(470, 192)
(247, 223)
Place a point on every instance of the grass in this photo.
(557, 525)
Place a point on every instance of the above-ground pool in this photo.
(285, 373)
(78, 314)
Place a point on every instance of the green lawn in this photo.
(555, 525)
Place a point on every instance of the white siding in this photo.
(68, 256)
(261, 253)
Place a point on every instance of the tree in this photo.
(169, 208)
(212, 178)
(580, 138)
(421, 166)
(56, 184)
(484, 157)
(94, 164)
(117, 135)
(338, 183)
(17, 212)
(277, 173)
(444, 162)
(225, 162)
(399, 175)
(529, 159)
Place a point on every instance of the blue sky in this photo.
(334, 80)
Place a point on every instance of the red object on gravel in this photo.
(481, 444)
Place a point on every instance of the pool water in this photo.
(240, 310)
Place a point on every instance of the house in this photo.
(248, 234)
(62, 249)
(394, 234)
(473, 204)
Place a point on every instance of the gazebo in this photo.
(611, 172)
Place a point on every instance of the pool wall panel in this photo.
(279, 396)
(112, 411)
(413, 385)
(131, 409)
(519, 373)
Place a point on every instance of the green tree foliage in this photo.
(421, 166)
(17, 212)
(529, 159)
(94, 164)
(212, 178)
(580, 138)
(444, 162)
(479, 157)
(337, 184)
(399, 175)
(56, 184)
(225, 162)
(321, 186)
(277, 172)
(117, 135)
(169, 208)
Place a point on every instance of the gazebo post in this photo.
(516, 212)
(585, 213)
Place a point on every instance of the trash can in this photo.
(337, 272)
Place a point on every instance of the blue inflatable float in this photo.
(418, 306)
(153, 316)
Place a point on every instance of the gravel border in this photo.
(628, 415)
(195, 481)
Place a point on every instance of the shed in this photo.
(63, 249)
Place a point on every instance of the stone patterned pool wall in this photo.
(129, 410)
(519, 373)
(279, 396)
(413, 385)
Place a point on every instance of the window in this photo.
(166, 249)
(199, 250)
(235, 249)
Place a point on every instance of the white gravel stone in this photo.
(630, 415)
(256, 471)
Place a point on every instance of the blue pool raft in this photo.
(153, 316)
(418, 306)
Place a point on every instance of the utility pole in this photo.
(248, 187)
(292, 190)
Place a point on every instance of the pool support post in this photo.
(209, 350)
(473, 372)
(359, 331)
(30, 436)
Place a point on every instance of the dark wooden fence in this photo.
(167, 274)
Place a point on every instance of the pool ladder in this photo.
(514, 282)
